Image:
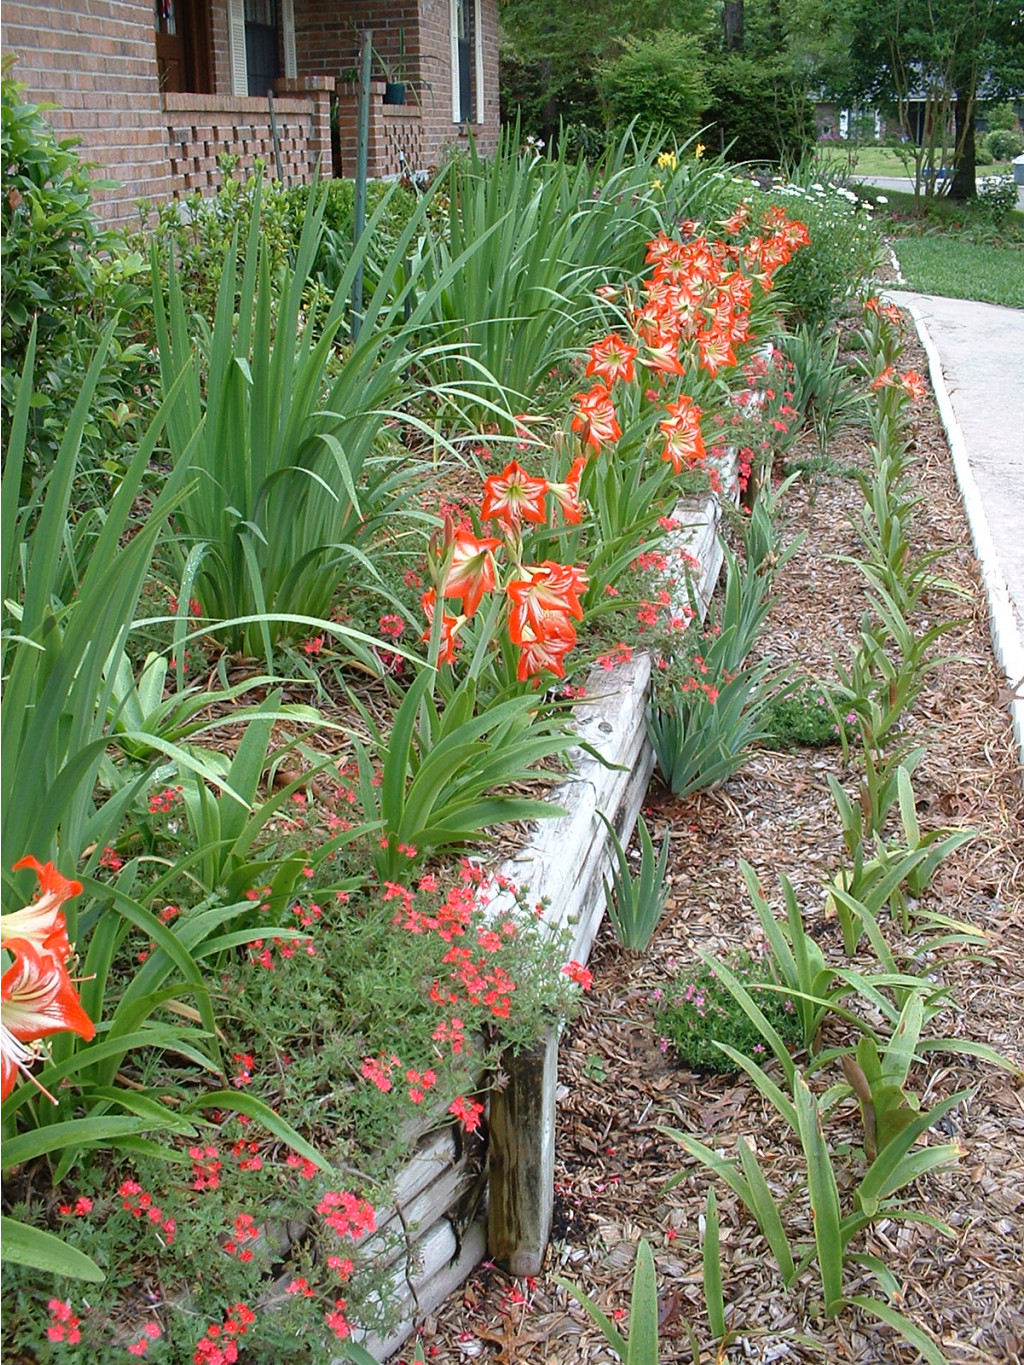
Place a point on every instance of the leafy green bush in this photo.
(196, 232)
(806, 716)
(48, 223)
(699, 1012)
(759, 108)
(983, 153)
(997, 197)
(658, 82)
(339, 219)
(1005, 143)
(54, 279)
(1002, 115)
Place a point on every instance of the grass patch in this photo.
(887, 161)
(963, 270)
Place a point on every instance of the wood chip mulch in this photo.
(617, 1086)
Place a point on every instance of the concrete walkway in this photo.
(976, 359)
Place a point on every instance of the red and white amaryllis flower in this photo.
(37, 996)
(472, 569)
(450, 627)
(42, 922)
(567, 495)
(684, 444)
(611, 358)
(595, 418)
(513, 496)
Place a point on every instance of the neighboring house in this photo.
(155, 90)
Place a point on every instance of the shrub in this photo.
(997, 197)
(806, 716)
(757, 107)
(983, 153)
(658, 82)
(48, 223)
(1002, 115)
(54, 279)
(1005, 143)
(844, 249)
(335, 248)
(196, 233)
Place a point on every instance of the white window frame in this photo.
(478, 59)
(236, 44)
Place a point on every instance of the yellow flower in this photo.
(656, 185)
(667, 161)
(699, 150)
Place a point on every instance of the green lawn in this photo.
(963, 270)
(887, 161)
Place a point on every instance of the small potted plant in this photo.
(395, 83)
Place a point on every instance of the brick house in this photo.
(155, 90)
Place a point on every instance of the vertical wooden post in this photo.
(359, 203)
(522, 1159)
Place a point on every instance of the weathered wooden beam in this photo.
(521, 1153)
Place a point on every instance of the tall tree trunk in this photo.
(732, 21)
(964, 185)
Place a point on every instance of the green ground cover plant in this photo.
(807, 715)
(697, 1016)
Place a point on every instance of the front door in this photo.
(182, 46)
(171, 57)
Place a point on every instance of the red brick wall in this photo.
(200, 127)
(99, 68)
(96, 61)
(328, 41)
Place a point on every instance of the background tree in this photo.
(553, 49)
(924, 64)
(656, 82)
(756, 92)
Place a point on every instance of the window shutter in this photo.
(291, 68)
(453, 26)
(236, 47)
(478, 57)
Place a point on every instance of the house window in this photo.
(467, 62)
(262, 45)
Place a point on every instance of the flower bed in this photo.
(247, 844)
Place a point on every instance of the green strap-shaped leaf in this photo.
(824, 1196)
(25, 1245)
